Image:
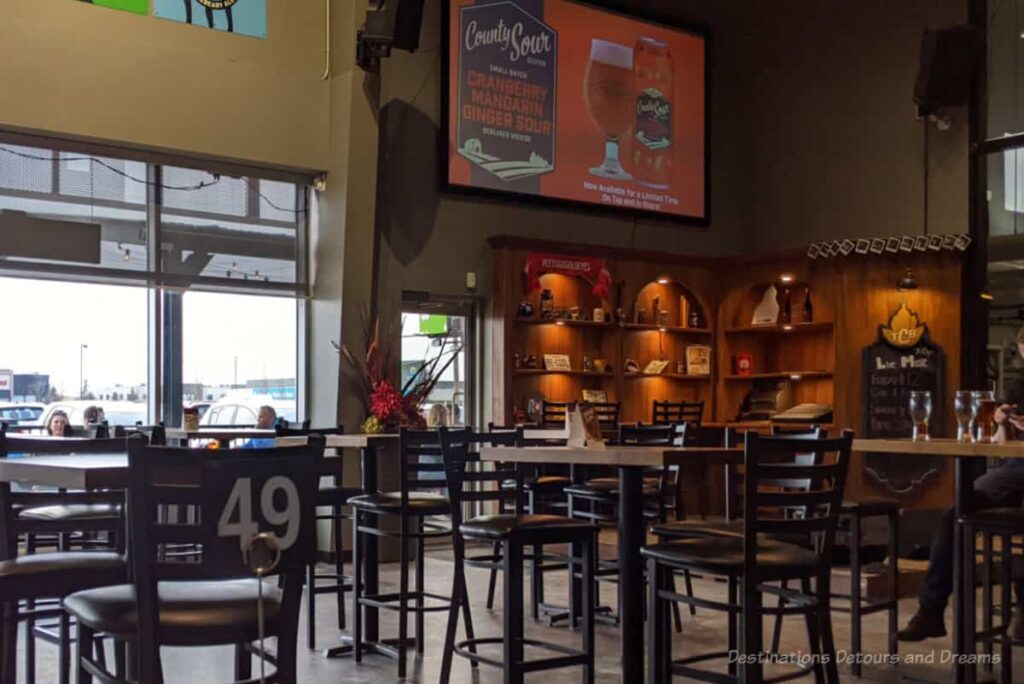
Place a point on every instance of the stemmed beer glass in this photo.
(610, 96)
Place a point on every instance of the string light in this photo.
(180, 188)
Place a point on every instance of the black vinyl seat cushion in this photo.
(503, 526)
(724, 556)
(420, 503)
(702, 529)
(72, 512)
(191, 613)
(41, 575)
(609, 487)
(1002, 519)
(870, 507)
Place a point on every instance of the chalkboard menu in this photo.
(903, 360)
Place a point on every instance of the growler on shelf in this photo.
(652, 143)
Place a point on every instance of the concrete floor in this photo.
(703, 632)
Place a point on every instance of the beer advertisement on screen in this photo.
(563, 100)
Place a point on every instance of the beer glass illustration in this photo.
(611, 101)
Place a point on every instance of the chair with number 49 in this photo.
(255, 513)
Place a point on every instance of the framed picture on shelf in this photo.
(698, 360)
(595, 396)
(656, 367)
(557, 362)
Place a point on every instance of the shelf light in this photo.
(787, 328)
(662, 329)
(795, 376)
(663, 280)
(559, 322)
(787, 278)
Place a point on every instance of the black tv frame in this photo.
(444, 140)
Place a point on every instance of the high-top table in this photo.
(631, 462)
(965, 455)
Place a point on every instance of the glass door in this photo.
(439, 334)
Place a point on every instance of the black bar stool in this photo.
(690, 414)
(1004, 524)
(515, 532)
(333, 496)
(415, 510)
(755, 561)
(212, 597)
(32, 584)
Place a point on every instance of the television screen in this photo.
(559, 100)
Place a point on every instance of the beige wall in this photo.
(74, 69)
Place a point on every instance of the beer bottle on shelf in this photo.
(786, 315)
(808, 307)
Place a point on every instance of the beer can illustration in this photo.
(652, 143)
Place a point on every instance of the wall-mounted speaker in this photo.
(947, 65)
(395, 23)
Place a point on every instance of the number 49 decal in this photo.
(240, 500)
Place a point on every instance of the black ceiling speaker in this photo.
(947, 65)
(390, 24)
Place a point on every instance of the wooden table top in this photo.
(639, 456)
(940, 447)
(81, 471)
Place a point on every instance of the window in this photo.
(76, 344)
(219, 297)
(239, 349)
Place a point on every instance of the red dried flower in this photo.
(385, 401)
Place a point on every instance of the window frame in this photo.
(164, 344)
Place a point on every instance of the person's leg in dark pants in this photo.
(1003, 486)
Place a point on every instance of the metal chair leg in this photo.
(420, 589)
(492, 580)
(855, 594)
(588, 550)
(339, 564)
(311, 606)
(357, 589)
(894, 583)
(83, 648)
(64, 650)
(513, 608)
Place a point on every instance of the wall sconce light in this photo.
(907, 282)
(786, 278)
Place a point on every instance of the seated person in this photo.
(264, 421)
(998, 488)
(58, 425)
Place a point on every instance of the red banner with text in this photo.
(592, 269)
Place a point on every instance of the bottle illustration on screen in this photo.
(652, 147)
(610, 99)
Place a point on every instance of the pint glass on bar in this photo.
(920, 412)
(986, 416)
(610, 98)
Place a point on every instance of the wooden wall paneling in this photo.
(870, 298)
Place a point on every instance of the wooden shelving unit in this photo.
(792, 328)
(781, 375)
(562, 322)
(666, 329)
(544, 371)
(797, 358)
(671, 376)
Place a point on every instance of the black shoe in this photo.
(925, 624)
